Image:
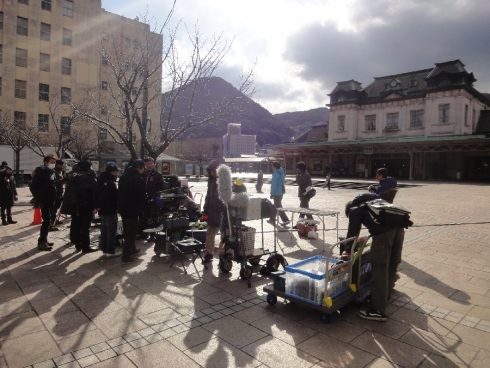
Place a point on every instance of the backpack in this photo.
(386, 214)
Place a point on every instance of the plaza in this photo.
(65, 309)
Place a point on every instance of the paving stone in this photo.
(208, 310)
(204, 319)
(73, 364)
(106, 354)
(181, 328)
(229, 303)
(79, 354)
(146, 332)
(100, 347)
(116, 342)
(153, 338)
(237, 308)
(64, 359)
(88, 360)
(46, 364)
(160, 327)
(139, 343)
(167, 333)
(123, 348)
(192, 324)
(227, 311)
(132, 336)
(216, 315)
(173, 322)
(218, 307)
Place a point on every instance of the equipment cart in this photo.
(239, 244)
(323, 282)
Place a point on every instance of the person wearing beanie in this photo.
(131, 197)
(86, 189)
(213, 208)
(107, 209)
(8, 195)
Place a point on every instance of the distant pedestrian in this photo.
(303, 179)
(43, 187)
(260, 181)
(107, 209)
(327, 181)
(131, 198)
(8, 195)
(277, 191)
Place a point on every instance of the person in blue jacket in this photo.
(277, 190)
(385, 182)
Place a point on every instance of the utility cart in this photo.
(239, 243)
(324, 282)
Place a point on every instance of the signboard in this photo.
(165, 168)
(368, 150)
(360, 164)
(189, 169)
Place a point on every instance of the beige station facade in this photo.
(52, 49)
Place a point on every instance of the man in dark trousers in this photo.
(131, 197)
(107, 209)
(154, 184)
(43, 187)
(86, 185)
(386, 251)
(60, 183)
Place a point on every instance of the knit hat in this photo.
(110, 168)
(138, 164)
(84, 165)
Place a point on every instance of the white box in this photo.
(253, 211)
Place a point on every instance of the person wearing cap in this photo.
(213, 208)
(107, 209)
(131, 197)
(8, 195)
(86, 189)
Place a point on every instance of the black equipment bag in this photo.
(386, 214)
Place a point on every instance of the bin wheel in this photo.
(325, 317)
(271, 299)
(225, 265)
(246, 272)
(254, 261)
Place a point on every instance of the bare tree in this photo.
(17, 132)
(137, 74)
(200, 154)
(83, 144)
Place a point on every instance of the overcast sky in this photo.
(303, 47)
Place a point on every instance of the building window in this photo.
(20, 119)
(46, 5)
(466, 115)
(1, 54)
(67, 36)
(1, 20)
(45, 31)
(65, 95)
(20, 88)
(416, 118)
(21, 57)
(24, 2)
(136, 44)
(105, 61)
(392, 121)
(103, 110)
(102, 133)
(66, 66)
(44, 62)
(341, 123)
(444, 114)
(370, 123)
(65, 125)
(104, 86)
(105, 36)
(473, 118)
(127, 42)
(43, 92)
(68, 8)
(43, 123)
(22, 26)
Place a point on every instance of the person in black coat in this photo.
(86, 189)
(43, 188)
(303, 179)
(107, 209)
(260, 181)
(154, 184)
(131, 198)
(8, 195)
(386, 251)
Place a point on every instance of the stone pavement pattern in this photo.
(64, 309)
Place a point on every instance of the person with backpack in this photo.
(8, 195)
(43, 188)
(386, 250)
(107, 209)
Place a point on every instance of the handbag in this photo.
(311, 193)
(283, 189)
